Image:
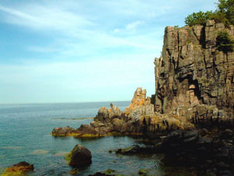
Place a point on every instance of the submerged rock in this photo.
(39, 152)
(129, 150)
(136, 149)
(19, 169)
(144, 172)
(108, 172)
(79, 156)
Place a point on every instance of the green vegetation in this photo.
(198, 18)
(176, 26)
(223, 14)
(224, 42)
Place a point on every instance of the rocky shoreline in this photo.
(137, 119)
(191, 114)
(206, 146)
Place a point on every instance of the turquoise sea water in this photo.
(25, 136)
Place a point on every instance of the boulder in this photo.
(79, 156)
(18, 169)
(62, 131)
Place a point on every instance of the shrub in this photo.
(223, 14)
(198, 18)
(227, 8)
(224, 42)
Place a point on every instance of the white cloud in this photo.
(134, 25)
(116, 30)
(45, 18)
(66, 78)
(102, 48)
(77, 31)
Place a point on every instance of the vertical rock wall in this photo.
(191, 71)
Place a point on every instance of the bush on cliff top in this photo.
(223, 14)
(224, 42)
(198, 18)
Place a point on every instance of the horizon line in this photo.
(65, 102)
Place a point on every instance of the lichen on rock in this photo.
(22, 168)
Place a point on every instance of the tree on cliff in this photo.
(224, 42)
(198, 18)
(223, 14)
(227, 8)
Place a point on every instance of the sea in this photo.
(25, 135)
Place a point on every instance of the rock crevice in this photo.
(194, 84)
(191, 70)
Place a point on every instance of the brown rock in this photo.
(139, 99)
(86, 131)
(18, 169)
(62, 131)
(191, 71)
(106, 115)
(79, 156)
(118, 125)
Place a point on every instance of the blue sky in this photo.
(83, 50)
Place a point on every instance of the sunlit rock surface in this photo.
(22, 168)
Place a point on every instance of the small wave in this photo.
(39, 152)
(79, 118)
(60, 153)
(12, 147)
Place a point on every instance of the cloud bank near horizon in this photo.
(75, 51)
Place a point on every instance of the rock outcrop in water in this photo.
(137, 119)
(193, 103)
(79, 156)
(194, 85)
(63, 131)
(22, 168)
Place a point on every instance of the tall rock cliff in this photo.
(194, 85)
(193, 78)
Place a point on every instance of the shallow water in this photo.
(25, 136)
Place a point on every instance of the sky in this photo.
(83, 51)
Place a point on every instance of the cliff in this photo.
(193, 104)
(193, 79)
(194, 85)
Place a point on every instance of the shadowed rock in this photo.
(79, 156)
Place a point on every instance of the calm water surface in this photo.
(25, 136)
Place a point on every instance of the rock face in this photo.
(18, 169)
(192, 74)
(194, 85)
(137, 119)
(79, 156)
(62, 131)
(209, 150)
(193, 104)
